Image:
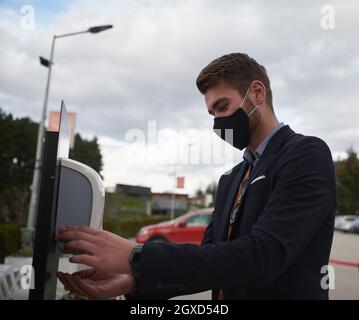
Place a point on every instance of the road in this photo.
(346, 277)
(345, 248)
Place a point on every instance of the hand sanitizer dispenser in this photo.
(81, 196)
(81, 189)
(70, 193)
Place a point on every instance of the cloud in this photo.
(145, 69)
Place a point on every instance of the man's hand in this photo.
(95, 285)
(105, 251)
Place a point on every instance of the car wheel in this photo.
(158, 239)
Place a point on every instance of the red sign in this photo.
(180, 182)
(54, 123)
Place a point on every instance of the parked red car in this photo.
(188, 228)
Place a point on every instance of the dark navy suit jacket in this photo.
(281, 239)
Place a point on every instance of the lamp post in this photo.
(173, 195)
(40, 135)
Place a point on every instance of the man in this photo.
(272, 226)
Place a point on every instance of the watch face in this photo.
(136, 253)
(135, 259)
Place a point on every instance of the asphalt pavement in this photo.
(344, 259)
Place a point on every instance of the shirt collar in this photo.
(253, 158)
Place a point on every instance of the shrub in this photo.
(129, 227)
(10, 239)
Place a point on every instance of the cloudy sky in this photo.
(134, 86)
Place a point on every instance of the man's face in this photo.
(222, 100)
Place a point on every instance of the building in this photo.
(201, 201)
(161, 203)
(156, 203)
(140, 192)
(137, 191)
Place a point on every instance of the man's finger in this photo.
(85, 229)
(65, 282)
(80, 245)
(61, 277)
(73, 284)
(70, 284)
(85, 259)
(91, 290)
(75, 235)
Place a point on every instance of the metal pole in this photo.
(173, 197)
(40, 139)
(71, 34)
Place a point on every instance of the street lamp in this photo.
(99, 28)
(37, 169)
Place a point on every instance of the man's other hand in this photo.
(95, 285)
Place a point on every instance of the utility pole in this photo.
(173, 197)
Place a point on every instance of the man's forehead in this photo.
(219, 91)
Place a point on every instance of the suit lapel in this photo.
(223, 222)
(270, 151)
(265, 160)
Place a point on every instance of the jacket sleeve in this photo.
(178, 290)
(301, 199)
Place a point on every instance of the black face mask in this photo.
(234, 129)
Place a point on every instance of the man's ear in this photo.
(259, 92)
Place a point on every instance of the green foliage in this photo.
(125, 215)
(129, 228)
(212, 190)
(119, 205)
(347, 172)
(17, 155)
(10, 236)
(87, 152)
(14, 202)
(18, 137)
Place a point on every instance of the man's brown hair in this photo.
(236, 69)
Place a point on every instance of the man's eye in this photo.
(223, 108)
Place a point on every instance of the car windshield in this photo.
(197, 220)
(350, 219)
(189, 214)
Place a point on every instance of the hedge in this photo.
(129, 228)
(10, 240)
(10, 234)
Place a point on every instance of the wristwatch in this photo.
(135, 258)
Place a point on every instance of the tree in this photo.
(17, 157)
(347, 172)
(17, 149)
(199, 193)
(87, 152)
(212, 190)
(17, 154)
